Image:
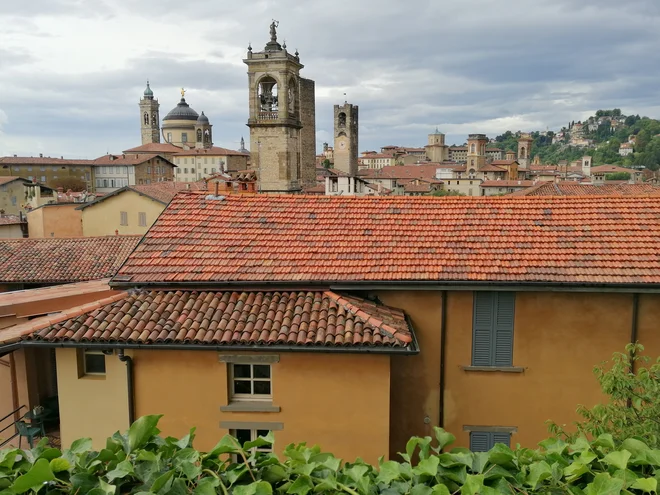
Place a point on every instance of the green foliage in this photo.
(326, 163)
(618, 176)
(633, 408)
(445, 192)
(141, 462)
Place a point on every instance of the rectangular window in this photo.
(205, 171)
(250, 381)
(148, 170)
(29, 169)
(206, 160)
(43, 178)
(212, 170)
(169, 137)
(185, 161)
(30, 177)
(492, 329)
(142, 219)
(93, 362)
(185, 170)
(123, 218)
(184, 137)
(43, 169)
(483, 441)
(249, 436)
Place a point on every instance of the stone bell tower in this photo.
(525, 150)
(476, 153)
(149, 119)
(282, 118)
(346, 138)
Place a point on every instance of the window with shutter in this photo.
(483, 441)
(492, 329)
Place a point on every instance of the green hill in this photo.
(606, 140)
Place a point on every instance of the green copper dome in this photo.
(148, 92)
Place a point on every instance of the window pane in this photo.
(243, 436)
(262, 433)
(242, 387)
(242, 371)
(262, 388)
(94, 363)
(261, 371)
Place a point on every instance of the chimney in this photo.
(116, 232)
(41, 155)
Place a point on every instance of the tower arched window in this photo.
(268, 96)
(154, 119)
(341, 120)
(523, 153)
(207, 136)
(199, 135)
(473, 148)
(146, 118)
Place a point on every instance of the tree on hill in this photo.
(66, 183)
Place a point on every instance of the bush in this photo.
(141, 462)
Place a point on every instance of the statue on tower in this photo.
(273, 30)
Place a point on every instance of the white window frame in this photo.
(94, 352)
(254, 434)
(237, 397)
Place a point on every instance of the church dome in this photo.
(202, 119)
(148, 92)
(182, 112)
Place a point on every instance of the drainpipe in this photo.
(443, 339)
(633, 329)
(129, 379)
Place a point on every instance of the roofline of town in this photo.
(287, 285)
(411, 350)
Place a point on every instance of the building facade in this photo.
(112, 172)
(346, 127)
(436, 149)
(196, 164)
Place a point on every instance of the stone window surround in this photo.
(248, 406)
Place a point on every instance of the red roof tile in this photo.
(11, 220)
(61, 260)
(567, 188)
(41, 160)
(130, 159)
(305, 319)
(611, 169)
(507, 183)
(155, 148)
(213, 151)
(324, 239)
(166, 190)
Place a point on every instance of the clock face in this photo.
(342, 145)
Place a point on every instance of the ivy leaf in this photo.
(206, 486)
(443, 437)
(38, 474)
(81, 445)
(538, 472)
(554, 445)
(123, 469)
(479, 461)
(605, 441)
(103, 489)
(421, 489)
(618, 459)
(440, 489)
(163, 482)
(256, 488)
(187, 440)
(59, 464)
(473, 484)
(428, 467)
(301, 486)
(225, 446)
(142, 430)
(389, 471)
(356, 472)
(635, 447)
(8, 457)
(500, 454)
(645, 484)
(575, 470)
(604, 484)
(83, 482)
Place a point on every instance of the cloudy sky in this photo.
(72, 71)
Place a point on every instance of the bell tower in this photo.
(525, 150)
(203, 132)
(476, 153)
(149, 119)
(346, 138)
(282, 118)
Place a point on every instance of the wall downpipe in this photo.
(129, 380)
(443, 339)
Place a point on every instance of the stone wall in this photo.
(275, 158)
(308, 132)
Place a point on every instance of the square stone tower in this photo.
(476, 153)
(346, 138)
(281, 120)
(437, 151)
(525, 150)
(149, 118)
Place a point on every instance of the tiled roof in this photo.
(7, 179)
(491, 168)
(155, 148)
(576, 189)
(318, 189)
(61, 260)
(130, 159)
(166, 190)
(503, 162)
(376, 156)
(507, 183)
(10, 220)
(426, 171)
(306, 319)
(41, 160)
(611, 169)
(213, 151)
(324, 239)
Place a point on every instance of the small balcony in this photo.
(272, 115)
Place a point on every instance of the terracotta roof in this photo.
(11, 220)
(61, 260)
(309, 319)
(129, 159)
(507, 183)
(7, 179)
(213, 151)
(166, 190)
(458, 148)
(577, 189)
(324, 239)
(426, 171)
(155, 148)
(424, 187)
(611, 169)
(376, 156)
(17, 297)
(503, 162)
(491, 168)
(38, 160)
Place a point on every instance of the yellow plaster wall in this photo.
(339, 401)
(104, 218)
(91, 406)
(59, 220)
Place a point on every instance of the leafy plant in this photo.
(141, 462)
(633, 407)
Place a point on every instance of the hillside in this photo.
(600, 136)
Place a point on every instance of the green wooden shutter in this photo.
(482, 328)
(503, 328)
(479, 441)
(504, 438)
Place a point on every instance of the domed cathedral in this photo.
(282, 118)
(185, 128)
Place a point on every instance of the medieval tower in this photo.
(525, 150)
(346, 138)
(437, 151)
(476, 153)
(282, 118)
(149, 119)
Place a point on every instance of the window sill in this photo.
(250, 407)
(504, 369)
